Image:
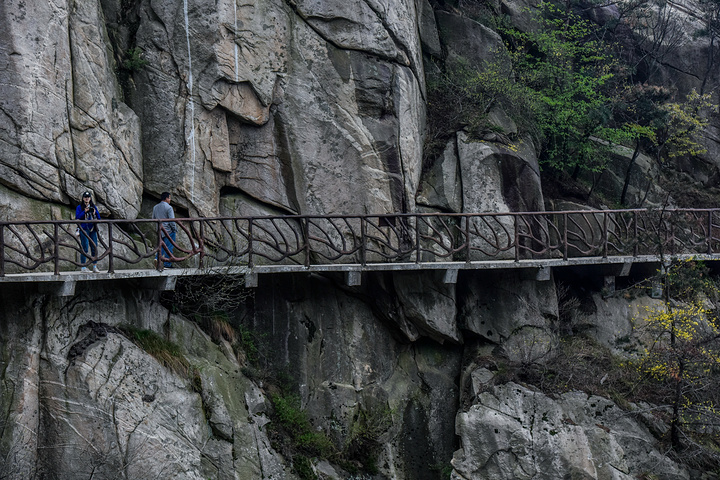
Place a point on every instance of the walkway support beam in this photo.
(64, 288)
(451, 276)
(353, 278)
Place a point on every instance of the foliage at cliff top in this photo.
(566, 71)
(563, 83)
(554, 81)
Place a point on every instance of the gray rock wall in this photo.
(81, 400)
(270, 106)
(530, 435)
(282, 104)
(64, 126)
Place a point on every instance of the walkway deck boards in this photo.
(77, 276)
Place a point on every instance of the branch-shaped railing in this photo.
(54, 246)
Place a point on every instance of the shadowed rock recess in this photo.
(266, 107)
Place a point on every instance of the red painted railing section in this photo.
(54, 246)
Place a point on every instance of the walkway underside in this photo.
(64, 284)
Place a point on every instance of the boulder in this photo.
(617, 323)
(427, 27)
(352, 151)
(428, 303)
(514, 432)
(441, 185)
(468, 41)
(497, 179)
(499, 305)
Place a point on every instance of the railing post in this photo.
(2, 249)
(363, 240)
(468, 249)
(672, 238)
(111, 259)
(417, 238)
(605, 234)
(565, 236)
(250, 242)
(306, 235)
(517, 238)
(636, 239)
(160, 262)
(709, 232)
(56, 246)
(201, 243)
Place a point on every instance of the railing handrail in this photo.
(365, 215)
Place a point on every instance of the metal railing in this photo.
(54, 246)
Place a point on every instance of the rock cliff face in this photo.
(264, 107)
(81, 400)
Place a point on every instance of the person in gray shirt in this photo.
(161, 211)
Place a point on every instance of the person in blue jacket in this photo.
(88, 231)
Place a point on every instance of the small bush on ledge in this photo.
(164, 351)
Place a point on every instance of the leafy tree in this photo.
(461, 96)
(134, 60)
(553, 81)
(557, 81)
(655, 31)
(563, 83)
(651, 122)
(682, 359)
(683, 120)
(638, 111)
(568, 74)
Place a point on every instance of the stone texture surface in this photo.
(348, 362)
(64, 128)
(643, 183)
(92, 403)
(315, 109)
(254, 107)
(616, 321)
(513, 432)
(429, 303)
(441, 185)
(468, 39)
(498, 305)
(497, 179)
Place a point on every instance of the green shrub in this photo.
(556, 81)
(164, 351)
(687, 280)
(303, 467)
(289, 414)
(295, 423)
(364, 440)
(248, 341)
(134, 60)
